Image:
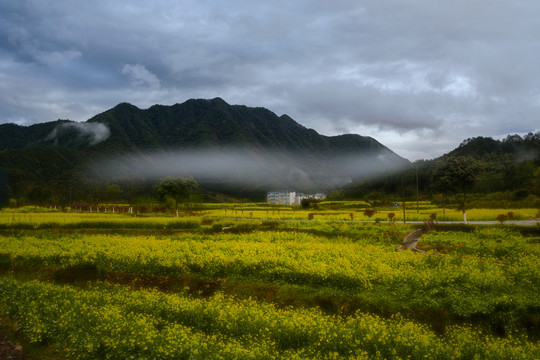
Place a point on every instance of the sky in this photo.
(419, 76)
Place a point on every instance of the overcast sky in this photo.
(419, 76)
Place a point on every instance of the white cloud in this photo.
(93, 133)
(138, 75)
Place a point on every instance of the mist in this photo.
(70, 132)
(260, 169)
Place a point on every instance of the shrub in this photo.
(369, 212)
(520, 194)
(207, 221)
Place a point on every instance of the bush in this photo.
(521, 194)
(207, 221)
(369, 212)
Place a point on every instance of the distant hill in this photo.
(514, 147)
(221, 145)
(509, 165)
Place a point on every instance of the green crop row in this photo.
(107, 322)
(489, 280)
(332, 212)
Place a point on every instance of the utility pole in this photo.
(403, 198)
(417, 207)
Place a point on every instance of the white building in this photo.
(287, 197)
(284, 197)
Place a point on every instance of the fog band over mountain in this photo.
(69, 132)
(262, 169)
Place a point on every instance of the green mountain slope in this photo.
(508, 165)
(260, 150)
(203, 123)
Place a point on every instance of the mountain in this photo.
(221, 145)
(214, 123)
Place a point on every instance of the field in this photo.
(250, 281)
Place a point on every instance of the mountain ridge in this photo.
(128, 122)
(232, 124)
(285, 153)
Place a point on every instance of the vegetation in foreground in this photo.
(110, 285)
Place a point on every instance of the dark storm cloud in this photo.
(418, 75)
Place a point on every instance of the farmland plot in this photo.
(259, 289)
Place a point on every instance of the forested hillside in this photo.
(509, 171)
(60, 157)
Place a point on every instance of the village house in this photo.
(288, 197)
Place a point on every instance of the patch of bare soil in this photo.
(9, 350)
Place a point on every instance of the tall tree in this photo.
(456, 175)
(180, 189)
(38, 195)
(113, 193)
(536, 182)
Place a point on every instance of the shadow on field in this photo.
(76, 273)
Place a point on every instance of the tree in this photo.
(519, 176)
(38, 195)
(180, 189)
(305, 203)
(369, 212)
(536, 182)
(113, 193)
(336, 195)
(456, 175)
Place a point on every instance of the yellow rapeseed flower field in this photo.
(245, 281)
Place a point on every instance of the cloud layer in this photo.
(73, 132)
(420, 76)
(254, 169)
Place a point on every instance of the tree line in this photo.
(502, 171)
(170, 191)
